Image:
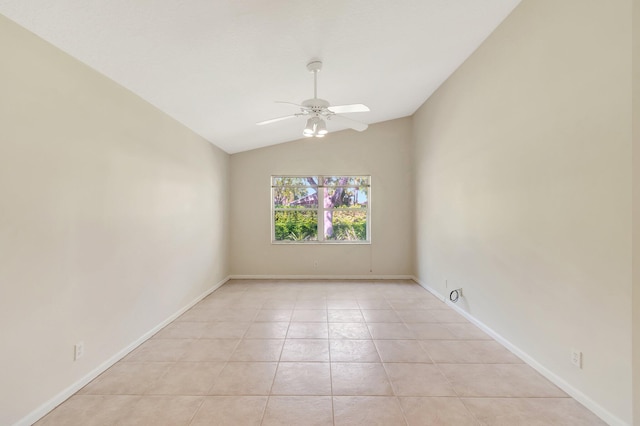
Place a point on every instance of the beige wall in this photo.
(382, 152)
(112, 215)
(112, 218)
(523, 180)
(636, 211)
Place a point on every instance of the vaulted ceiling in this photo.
(217, 66)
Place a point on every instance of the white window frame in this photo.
(321, 209)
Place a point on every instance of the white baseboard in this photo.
(321, 277)
(45, 408)
(597, 409)
(429, 289)
(576, 394)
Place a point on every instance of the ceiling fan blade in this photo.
(342, 109)
(355, 125)
(275, 120)
(291, 103)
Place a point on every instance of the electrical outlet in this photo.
(576, 358)
(446, 283)
(78, 351)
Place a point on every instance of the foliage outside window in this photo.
(330, 209)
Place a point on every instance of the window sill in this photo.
(321, 243)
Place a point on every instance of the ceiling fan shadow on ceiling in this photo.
(320, 111)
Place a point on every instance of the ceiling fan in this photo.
(319, 111)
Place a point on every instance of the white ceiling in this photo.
(217, 66)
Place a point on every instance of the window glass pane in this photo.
(346, 180)
(288, 197)
(341, 225)
(296, 225)
(294, 181)
(340, 215)
(341, 197)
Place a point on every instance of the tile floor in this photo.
(320, 353)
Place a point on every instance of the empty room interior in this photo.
(453, 244)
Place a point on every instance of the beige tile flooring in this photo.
(320, 353)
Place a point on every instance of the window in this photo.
(320, 209)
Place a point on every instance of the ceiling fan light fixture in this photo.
(316, 126)
(321, 128)
(310, 128)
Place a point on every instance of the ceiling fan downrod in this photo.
(314, 67)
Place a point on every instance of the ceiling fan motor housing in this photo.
(316, 105)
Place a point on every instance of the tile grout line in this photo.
(333, 410)
(226, 363)
(384, 367)
(208, 394)
(275, 374)
(195, 413)
(458, 397)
